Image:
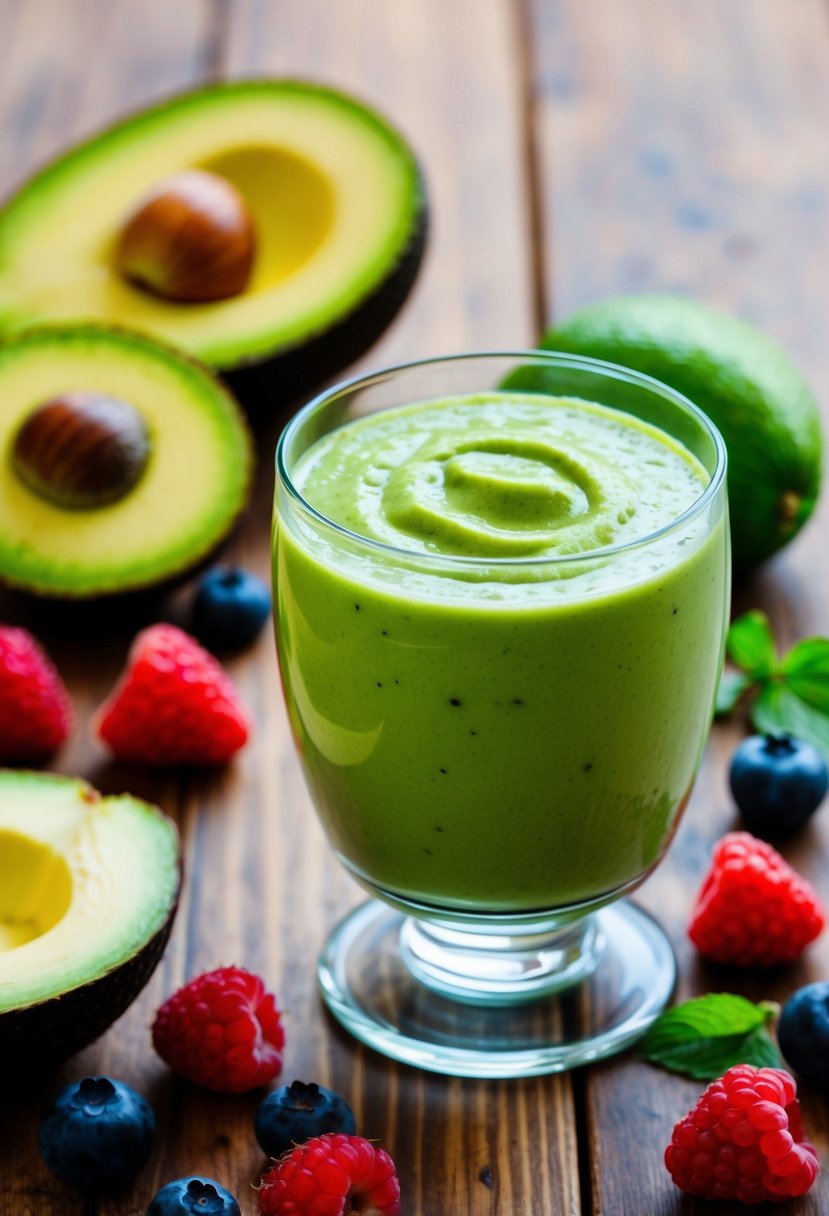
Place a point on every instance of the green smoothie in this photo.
(500, 695)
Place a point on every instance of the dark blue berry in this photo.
(294, 1113)
(803, 1033)
(97, 1134)
(777, 782)
(230, 608)
(193, 1196)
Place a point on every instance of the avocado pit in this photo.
(82, 450)
(191, 240)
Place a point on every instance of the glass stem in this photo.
(498, 969)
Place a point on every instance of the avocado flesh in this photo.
(192, 490)
(335, 196)
(85, 884)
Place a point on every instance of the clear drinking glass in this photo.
(500, 747)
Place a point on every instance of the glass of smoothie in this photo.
(501, 586)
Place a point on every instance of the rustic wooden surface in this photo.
(571, 151)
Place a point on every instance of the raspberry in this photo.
(753, 909)
(744, 1140)
(331, 1176)
(35, 711)
(222, 1031)
(173, 705)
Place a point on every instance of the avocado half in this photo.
(337, 205)
(170, 513)
(88, 892)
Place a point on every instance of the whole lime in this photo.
(743, 381)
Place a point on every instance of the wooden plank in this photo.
(70, 68)
(680, 148)
(262, 887)
(461, 113)
(455, 1142)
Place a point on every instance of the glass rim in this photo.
(612, 371)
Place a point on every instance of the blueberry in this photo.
(193, 1196)
(294, 1113)
(777, 782)
(803, 1033)
(97, 1133)
(230, 607)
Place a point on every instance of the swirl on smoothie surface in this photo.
(502, 475)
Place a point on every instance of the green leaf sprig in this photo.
(709, 1034)
(782, 695)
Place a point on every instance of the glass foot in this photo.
(384, 977)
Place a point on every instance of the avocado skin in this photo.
(743, 380)
(296, 373)
(34, 1038)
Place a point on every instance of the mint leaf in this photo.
(791, 695)
(709, 1034)
(779, 708)
(806, 671)
(750, 644)
(732, 686)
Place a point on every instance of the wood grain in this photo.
(681, 148)
(70, 68)
(571, 151)
(454, 1141)
(458, 101)
(262, 888)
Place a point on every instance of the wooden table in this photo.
(572, 150)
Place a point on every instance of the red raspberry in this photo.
(174, 704)
(222, 1031)
(744, 1140)
(331, 1176)
(753, 909)
(35, 710)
